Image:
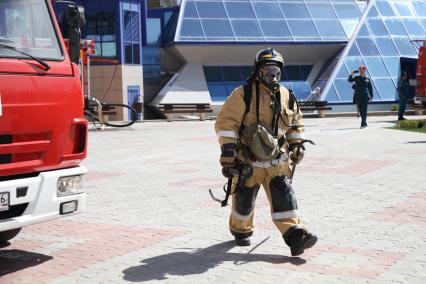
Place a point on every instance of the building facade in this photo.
(213, 44)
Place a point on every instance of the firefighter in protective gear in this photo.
(363, 92)
(273, 110)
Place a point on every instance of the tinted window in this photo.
(393, 65)
(321, 10)
(211, 9)
(385, 9)
(413, 28)
(386, 46)
(275, 28)
(213, 74)
(367, 47)
(405, 47)
(267, 10)
(347, 11)
(239, 10)
(217, 28)
(395, 27)
(231, 73)
(402, 8)
(377, 27)
(330, 29)
(190, 11)
(376, 67)
(246, 28)
(386, 89)
(302, 28)
(420, 8)
(344, 90)
(332, 95)
(349, 27)
(294, 10)
(191, 28)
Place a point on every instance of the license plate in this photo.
(4, 201)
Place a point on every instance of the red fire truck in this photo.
(43, 134)
(421, 74)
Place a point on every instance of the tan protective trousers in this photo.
(280, 195)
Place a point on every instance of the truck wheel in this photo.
(8, 235)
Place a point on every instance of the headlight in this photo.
(70, 185)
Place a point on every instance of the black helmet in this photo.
(269, 55)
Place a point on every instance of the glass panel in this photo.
(295, 10)
(109, 49)
(373, 12)
(218, 92)
(128, 53)
(353, 63)
(330, 28)
(231, 86)
(301, 89)
(377, 27)
(321, 10)
(349, 27)
(190, 11)
(246, 71)
(332, 95)
(211, 9)
(423, 21)
(275, 28)
(385, 9)
(347, 11)
(344, 90)
(367, 47)
(191, 28)
(240, 10)
(386, 46)
(302, 28)
(354, 51)
(402, 8)
(420, 8)
(217, 28)
(393, 65)
(405, 47)
(413, 28)
(395, 27)
(246, 28)
(306, 69)
(386, 89)
(267, 10)
(153, 30)
(213, 74)
(293, 73)
(376, 67)
(136, 54)
(135, 26)
(363, 32)
(343, 72)
(231, 73)
(127, 28)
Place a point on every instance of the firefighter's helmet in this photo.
(269, 55)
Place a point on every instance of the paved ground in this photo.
(149, 216)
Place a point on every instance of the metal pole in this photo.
(88, 77)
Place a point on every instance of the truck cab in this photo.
(43, 133)
(421, 74)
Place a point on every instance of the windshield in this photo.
(27, 26)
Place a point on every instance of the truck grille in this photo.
(14, 211)
(18, 148)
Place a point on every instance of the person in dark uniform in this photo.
(403, 90)
(363, 92)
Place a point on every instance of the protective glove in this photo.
(227, 159)
(297, 156)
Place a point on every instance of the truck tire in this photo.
(8, 235)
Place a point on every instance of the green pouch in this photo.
(260, 142)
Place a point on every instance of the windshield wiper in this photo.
(45, 65)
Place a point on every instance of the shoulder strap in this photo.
(247, 96)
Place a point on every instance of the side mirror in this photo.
(76, 19)
(76, 16)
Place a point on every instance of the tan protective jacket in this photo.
(231, 114)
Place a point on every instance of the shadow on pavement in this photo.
(197, 262)
(15, 260)
(415, 142)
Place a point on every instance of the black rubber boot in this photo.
(299, 239)
(242, 242)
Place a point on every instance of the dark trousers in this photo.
(362, 102)
(402, 106)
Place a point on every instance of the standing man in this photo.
(363, 92)
(403, 91)
(261, 125)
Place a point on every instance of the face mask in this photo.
(270, 75)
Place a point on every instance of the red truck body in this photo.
(421, 74)
(43, 133)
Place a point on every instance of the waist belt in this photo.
(268, 164)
